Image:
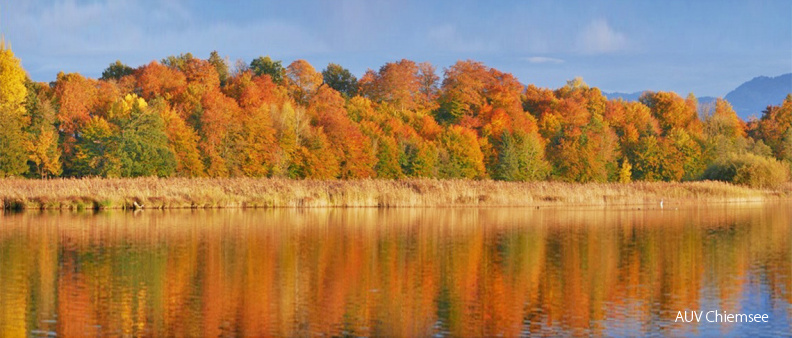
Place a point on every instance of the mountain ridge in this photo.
(752, 97)
(749, 99)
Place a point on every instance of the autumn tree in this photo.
(156, 79)
(428, 82)
(107, 93)
(397, 84)
(182, 141)
(775, 129)
(672, 111)
(539, 101)
(291, 126)
(581, 144)
(460, 154)
(314, 158)
(486, 100)
(258, 143)
(724, 121)
(303, 81)
(340, 79)
(638, 132)
(194, 118)
(13, 159)
(724, 132)
(219, 125)
(76, 98)
(42, 144)
(253, 92)
(681, 134)
(351, 147)
(44, 154)
(462, 90)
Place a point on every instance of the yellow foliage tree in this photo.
(12, 114)
(12, 77)
(44, 153)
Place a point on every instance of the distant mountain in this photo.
(749, 99)
(752, 97)
(635, 96)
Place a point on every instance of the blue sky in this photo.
(704, 47)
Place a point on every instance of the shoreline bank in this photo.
(186, 193)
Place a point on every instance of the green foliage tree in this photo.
(96, 150)
(264, 65)
(143, 148)
(521, 158)
(340, 79)
(13, 153)
(116, 70)
(418, 157)
(179, 62)
(221, 66)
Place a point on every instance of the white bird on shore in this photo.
(661, 204)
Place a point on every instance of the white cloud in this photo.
(543, 59)
(600, 38)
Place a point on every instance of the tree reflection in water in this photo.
(402, 272)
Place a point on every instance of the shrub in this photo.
(748, 169)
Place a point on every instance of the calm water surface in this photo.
(409, 272)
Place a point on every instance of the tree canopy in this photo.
(186, 116)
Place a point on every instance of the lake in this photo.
(396, 272)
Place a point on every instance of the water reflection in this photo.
(412, 272)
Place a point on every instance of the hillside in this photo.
(752, 97)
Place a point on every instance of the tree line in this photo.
(186, 116)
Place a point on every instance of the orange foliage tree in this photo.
(351, 147)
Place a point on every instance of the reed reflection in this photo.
(411, 272)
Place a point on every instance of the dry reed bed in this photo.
(97, 193)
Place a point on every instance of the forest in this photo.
(189, 117)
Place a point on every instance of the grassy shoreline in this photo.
(170, 193)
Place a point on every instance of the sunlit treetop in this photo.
(12, 78)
